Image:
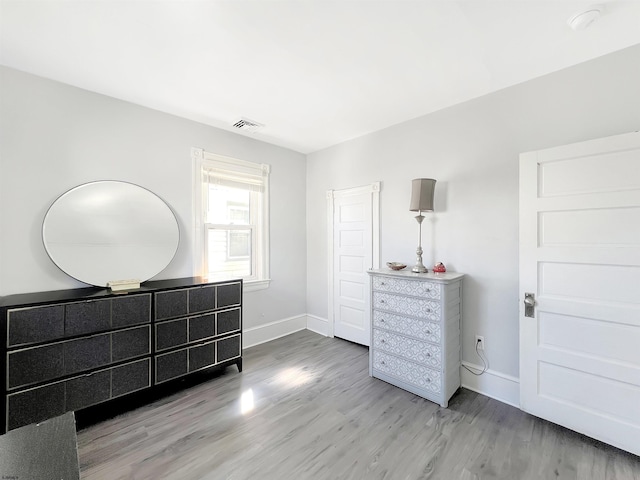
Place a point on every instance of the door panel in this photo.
(580, 256)
(353, 317)
(352, 290)
(347, 264)
(601, 339)
(576, 228)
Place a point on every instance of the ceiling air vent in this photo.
(247, 125)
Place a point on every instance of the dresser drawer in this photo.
(415, 307)
(183, 331)
(416, 288)
(197, 357)
(39, 324)
(202, 299)
(414, 327)
(409, 348)
(410, 372)
(48, 362)
(189, 301)
(207, 326)
(44, 402)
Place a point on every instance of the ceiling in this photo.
(314, 72)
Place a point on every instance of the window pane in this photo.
(228, 205)
(229, 252)
(239, 244)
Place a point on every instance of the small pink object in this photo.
(439, 268)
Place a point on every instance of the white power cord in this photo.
(484, 361)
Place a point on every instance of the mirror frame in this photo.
(110, 227)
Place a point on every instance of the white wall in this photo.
(55, 136)
(472, 150)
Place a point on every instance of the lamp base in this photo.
(419, 267)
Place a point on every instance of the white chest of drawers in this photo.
(415, 335)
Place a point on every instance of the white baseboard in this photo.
(270, 331)
(318, 325)
(499, 386)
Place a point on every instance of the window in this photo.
(231, 219)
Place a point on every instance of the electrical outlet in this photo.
(479, 342)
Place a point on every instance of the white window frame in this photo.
(260, 266)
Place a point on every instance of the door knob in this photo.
(529, 304)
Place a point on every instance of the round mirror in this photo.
(110, 231)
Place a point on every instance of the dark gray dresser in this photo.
(71, 349)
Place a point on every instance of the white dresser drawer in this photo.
(416, 307)
(409, 372)
(410, 348)
(415, 327)
(407, 287)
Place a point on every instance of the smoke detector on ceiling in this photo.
(247, 125)
(584, 18)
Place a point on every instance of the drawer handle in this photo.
(428, 310)
(383, 341)
(383, 363)
(382, 283)
(428, 332)
(428, 355)
(381, 301)
(428, 380)
(382, 320)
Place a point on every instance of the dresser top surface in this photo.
(93, 293)
(446, 277)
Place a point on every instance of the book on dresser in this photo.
(415, 334)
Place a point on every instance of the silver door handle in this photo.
(529, 304)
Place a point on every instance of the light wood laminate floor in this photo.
(316, 414)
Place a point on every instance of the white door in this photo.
(353, 247)
(580, 257)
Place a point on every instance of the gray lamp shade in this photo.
(422, 190)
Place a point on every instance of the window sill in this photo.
(254, 285)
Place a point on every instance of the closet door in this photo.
(353, 221)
